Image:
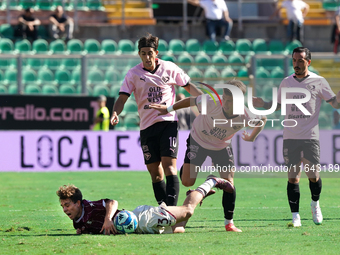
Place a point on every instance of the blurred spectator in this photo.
(28, 25)
(61, 26)
(185, 115)
(217, 15)
(336, 31)
(102, 119)
(296, 11)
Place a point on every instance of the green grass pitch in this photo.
(32, 221)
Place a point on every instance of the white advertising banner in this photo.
(46, 151)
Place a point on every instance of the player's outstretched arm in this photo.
(111, 208)
(335, 103)
(163, 109)
(118, 108)
(259, 127)
(193, 90)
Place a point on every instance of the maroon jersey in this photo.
(92, 217)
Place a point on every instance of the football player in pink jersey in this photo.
(154, 81)
(95, 217)
(209, 137)
(301, 142)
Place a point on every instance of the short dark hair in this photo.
(305, 50)
(236, 83)
(148, 41)
(29, 9)
(71, 192)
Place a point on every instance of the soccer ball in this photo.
(125, 222)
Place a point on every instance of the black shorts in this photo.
(159, 140)
(196, 155)
(295, 149)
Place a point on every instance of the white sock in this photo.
(315, 203)
(207, 185)
(296, 215)
(226, 222)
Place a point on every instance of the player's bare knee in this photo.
(294, 180)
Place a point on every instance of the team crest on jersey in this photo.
(194, 148)
(191, 155)
(147, 155)
(165, 79)
(89, 222)
(310, 87)
(145, 148)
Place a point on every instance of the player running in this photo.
(153, 81)
(95, 217)
(207, 138)
(301, 142)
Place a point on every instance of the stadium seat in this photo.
(169, 57)
(13, 89)
(6, 31)
(95, 5)
(163, 46)
(115, 91)
(29, 76)
(126, 46)
(195, 73)
(176, 46)
(58, 47)
(228, 72)
(23, 46)
(46, 76)
(184, 60)
(243, 72)
(76, 77)
(227, 47)
(11, 75)
(202, 60)
(32, 89)
(95, 76)
(40, 46)
(80, 5)
(277, 72)
(219, 60)
(292, 45)
(49, 89)
(109, 46)
(243, 46)
(53, 63)
(260, 46)
(35, 63)
(8, 63)
(92, 46)
(6, 46)
(3, 89)
(129, 107)
(210, 47)
(71, 63)
(112, 76)
(63, 76)
(212, 73)
(75, 46)
(100, 90)
(67, 89)
(276, 47)
(45, 5)
(236, 61)
(131, 122)
(24, 4)
(193, 46)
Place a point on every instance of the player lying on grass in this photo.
(95, 217)
(210, 138)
